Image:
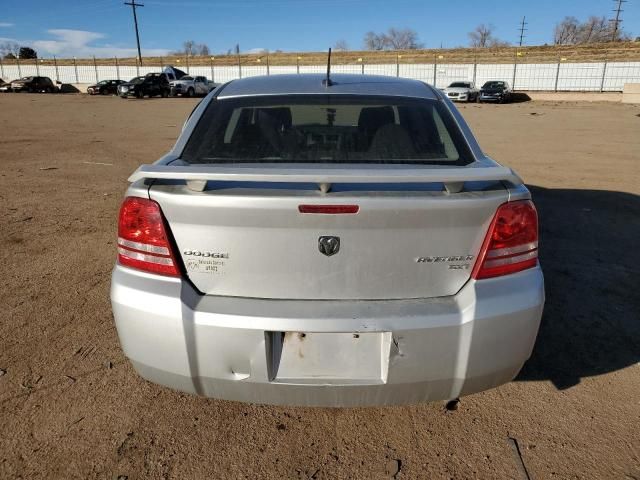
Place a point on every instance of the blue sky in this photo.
(105, 27)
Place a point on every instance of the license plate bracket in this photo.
(330, 358)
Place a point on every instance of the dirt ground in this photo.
(72, 407)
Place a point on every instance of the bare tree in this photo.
(9, 49)
(394, 39)
(402, 39)
(566, 32)
(341, 46)
(482, 36)
(188, 46)
(570, 31)
(595, 30)
(374, 41)
(192, 48)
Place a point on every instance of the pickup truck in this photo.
(190, 86)
(336, 241)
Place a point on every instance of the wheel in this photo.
(104, 92)
(165, 94)
(139, 94)
(190, 92)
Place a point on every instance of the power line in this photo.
(523, 29)
(135, 22)
(617, 21)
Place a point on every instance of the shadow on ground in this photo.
(590, 255)
(520, 97)
(67, 88)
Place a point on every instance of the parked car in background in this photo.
(189, 86)
(6, 86)
(495, 91)
(33, 85)
(105, 87)
(151, 85)
(341, 242)
(462, 92)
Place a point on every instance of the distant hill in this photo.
(612, 52)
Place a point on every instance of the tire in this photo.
(104, 92)
(139, 94)
(164, 94)
(190, 92)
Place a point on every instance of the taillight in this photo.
(142, 238)
(511, 244)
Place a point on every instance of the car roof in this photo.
(304, 84)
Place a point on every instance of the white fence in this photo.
(608, 77)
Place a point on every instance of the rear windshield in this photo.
(460, 85)
(326, 129)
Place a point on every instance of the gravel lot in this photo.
(72, 407)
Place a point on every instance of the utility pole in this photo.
(523, 29)
(133, 5)
(617, 21)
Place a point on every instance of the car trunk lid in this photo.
(254, 239)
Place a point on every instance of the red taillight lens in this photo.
(142, 239)
(511, 244)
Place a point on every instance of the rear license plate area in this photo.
(329, 358)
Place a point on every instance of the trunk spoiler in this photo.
(196, 176)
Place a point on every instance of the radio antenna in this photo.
(327, 81)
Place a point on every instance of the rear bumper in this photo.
(492, 98)
(430, 349)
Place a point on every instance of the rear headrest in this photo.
(372, 118)
(393, 142)
(279, 117)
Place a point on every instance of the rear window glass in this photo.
(326, 129)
